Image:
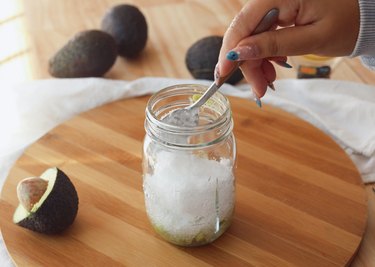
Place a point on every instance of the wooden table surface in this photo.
(299, 201)
(31, 31)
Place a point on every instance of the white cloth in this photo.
(344, 110)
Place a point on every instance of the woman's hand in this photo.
(322, 27)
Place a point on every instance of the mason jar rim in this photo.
(175, 90)
(153, 123)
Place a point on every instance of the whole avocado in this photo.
(89, 53)
(202, 56)
(128, 26)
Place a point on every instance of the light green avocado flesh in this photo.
(202, 238)
(21, 213)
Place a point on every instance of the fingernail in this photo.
(243, 53)
(259, 103)
(256, 99)
(232, 55)
(217, 72)
(270, 85)
(283, 64)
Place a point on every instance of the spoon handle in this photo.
(222, 79)
(265, 24)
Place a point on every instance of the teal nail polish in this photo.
(256, 98)
(272, 86)
(284, 64)
(232, 55)
(259, 103)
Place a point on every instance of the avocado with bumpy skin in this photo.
(89, 53)
(202, 56)
(56, 207)
(128, 26)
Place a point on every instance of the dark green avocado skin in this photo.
(58, 211)
(128, 26)
(89, 53)
(202, 56)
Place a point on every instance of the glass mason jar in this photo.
(188, 172)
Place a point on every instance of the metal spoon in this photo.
(189, 116)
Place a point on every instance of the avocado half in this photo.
(56, 209)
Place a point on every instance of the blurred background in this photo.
(32, 31)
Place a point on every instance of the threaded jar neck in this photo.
(215, 120)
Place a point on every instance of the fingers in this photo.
(278, 43)
(259, 74)
(269, 72)
(228, 65)
(317, 29)
(327, 28)
(247, 20)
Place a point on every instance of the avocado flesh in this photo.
(56, 209)
(204, 237)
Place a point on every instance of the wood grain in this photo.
(32, 31)
(299, 199)
(40, 28)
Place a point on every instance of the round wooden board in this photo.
(300, 200)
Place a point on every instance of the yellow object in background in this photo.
(315, 58)
(314, 66)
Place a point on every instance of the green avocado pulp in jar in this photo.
(188, 172)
